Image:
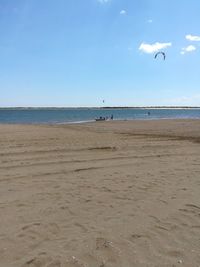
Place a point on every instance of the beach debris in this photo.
(180, 261)
(102, 243)
(75, 260)
(30, 261)
(160, 53)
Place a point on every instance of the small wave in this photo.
(75, 122)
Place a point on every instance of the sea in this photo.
(81, 115)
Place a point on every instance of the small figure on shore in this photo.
(111, 117)
(149, 113)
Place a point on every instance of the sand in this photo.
(100, 194)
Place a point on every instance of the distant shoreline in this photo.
(118, 107)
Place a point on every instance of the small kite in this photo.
(162, 53)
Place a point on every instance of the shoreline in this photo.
(68, 116)
(100, 122)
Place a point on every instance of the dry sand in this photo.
(100, 194)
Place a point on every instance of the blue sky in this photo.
(79, 52)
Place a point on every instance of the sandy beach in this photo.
(101, 194)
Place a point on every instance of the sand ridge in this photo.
(100, 194)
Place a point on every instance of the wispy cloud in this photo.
(123, 12)
(193, 100)
(192, 37)
(149, 20)
(103, 1)
(188, 49)
(152, 48)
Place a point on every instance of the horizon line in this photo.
(93, 107)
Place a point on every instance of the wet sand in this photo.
(100, 194)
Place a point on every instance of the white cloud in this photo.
(192, 37)
(152, 48)
(103, 1)
(149, 20)
(187, 49)
(123, 12)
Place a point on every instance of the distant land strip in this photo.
(106, 107)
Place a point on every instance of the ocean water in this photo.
(76, 115)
